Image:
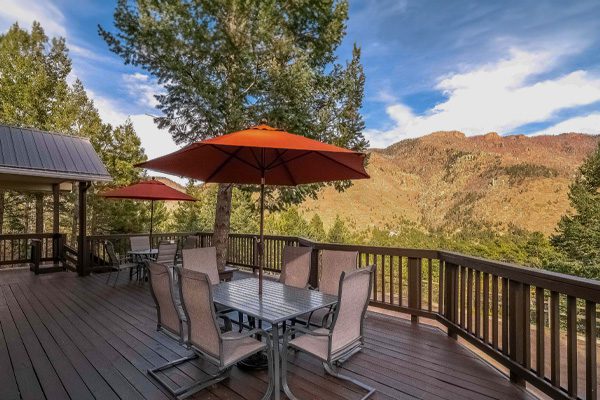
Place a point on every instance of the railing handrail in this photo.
(571, 285)
(5, 236)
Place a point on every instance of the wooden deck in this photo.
(65, 337)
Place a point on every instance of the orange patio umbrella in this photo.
(148, 190)
(262, 155)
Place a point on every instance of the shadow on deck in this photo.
(67, 337)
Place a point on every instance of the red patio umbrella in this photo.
(262, 155)
(148, 190)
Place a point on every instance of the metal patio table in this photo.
(140, 256)
(279, 303)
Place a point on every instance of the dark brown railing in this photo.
(32, 249)
(542, 326)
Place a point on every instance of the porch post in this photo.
(39, 213)
(82, 251)
(56, 240)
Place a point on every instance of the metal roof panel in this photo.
(39, 153)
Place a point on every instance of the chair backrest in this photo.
(296, 266)
(199, 309)
(191, 242)
(202, 259)
(166, 253)
(353, 299)
(109, 247)
(139, 243)
(161, 287)
(333, 263)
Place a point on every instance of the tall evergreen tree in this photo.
(227, 64)
(35, 92)
(578, 233)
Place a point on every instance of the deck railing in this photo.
(32, 249)
(542, 326)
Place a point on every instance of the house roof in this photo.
(48, 156)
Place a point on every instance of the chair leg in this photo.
(109, 274)
(284, 375)
(117, 278)
(330, 369)
(186, 391)
(270, 375)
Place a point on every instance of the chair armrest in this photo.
(326, 317)
(244, 335)
(227, 320)
(301, 329)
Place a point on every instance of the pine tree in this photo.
(227, 64)
(578, 233)
(35, 92)
(316, 231)
(338, 233)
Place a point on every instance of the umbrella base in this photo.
(256, 362)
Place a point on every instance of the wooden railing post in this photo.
(516, 327)
(414, 286)
(36, 255)
(314, 268)
(451, 296)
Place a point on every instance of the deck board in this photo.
(62, 336)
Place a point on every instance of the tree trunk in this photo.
(39, 213)
(222, 223)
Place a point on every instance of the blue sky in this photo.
(529, 67)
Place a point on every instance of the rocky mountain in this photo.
(447, 180)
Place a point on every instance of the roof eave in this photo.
(67, 176)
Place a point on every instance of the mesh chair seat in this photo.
(315, 345)
(238, 349)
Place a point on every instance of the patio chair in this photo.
(202, 259)
(170, 315)
(138, 243)
(191, 242)
(333, 264)
(206, 340)
(295, 270)
(344, 338)
(166, 253)
(116, 263)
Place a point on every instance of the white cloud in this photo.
(584, 124)
(143, 88)
(156, 142)
(495, 97)
(27, 11)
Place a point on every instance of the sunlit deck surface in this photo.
(63, 337)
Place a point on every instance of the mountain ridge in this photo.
(447, 180)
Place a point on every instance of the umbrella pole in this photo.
(262, 236)
(151, 220)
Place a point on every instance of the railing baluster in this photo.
(495, 321)
(470, 300)
(554, 338)
(441, 286)
(526, 335)
(591, 377)
(463, 292)
(540, 327)
(429, 284)
(572, 345)
(486, 307)
(477, 303)
(391, 267)
(505, 315)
